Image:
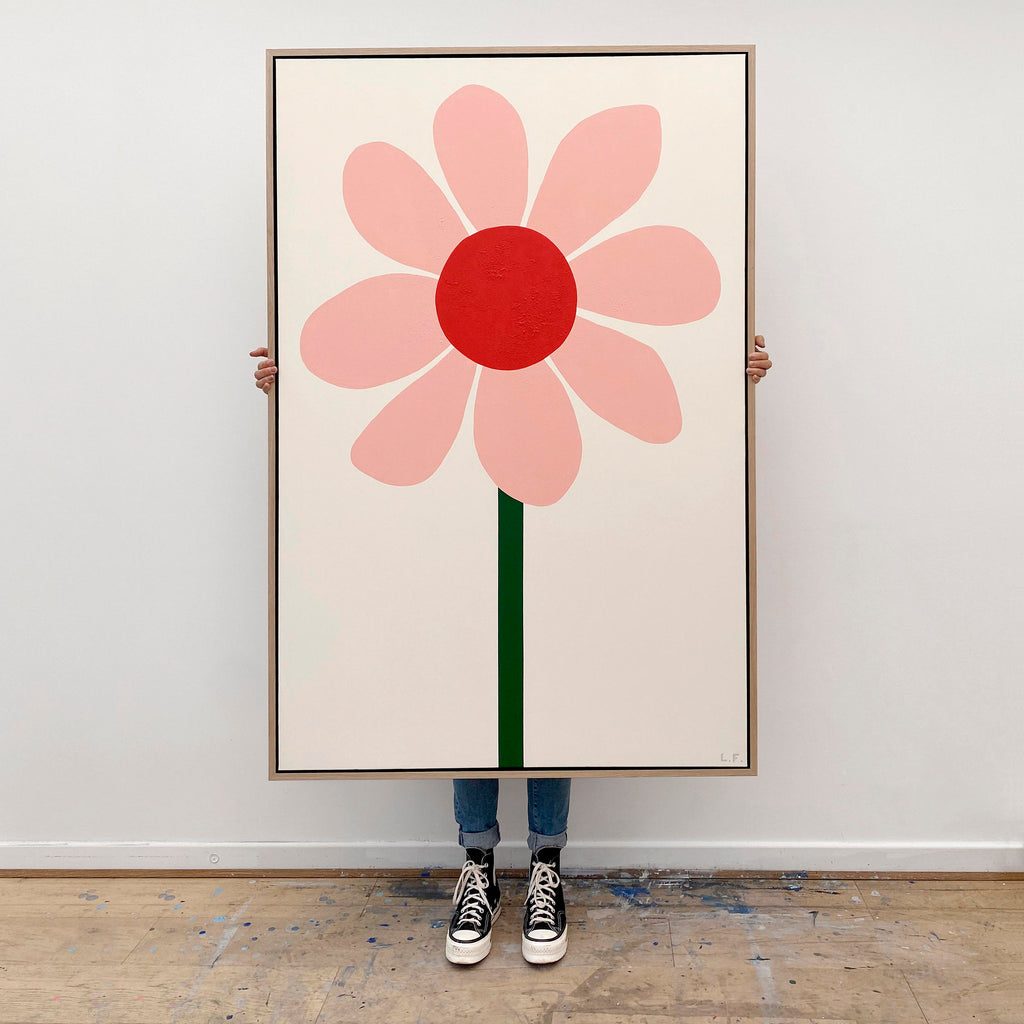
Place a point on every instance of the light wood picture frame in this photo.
(511, 441)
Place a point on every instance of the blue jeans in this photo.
(476, 811)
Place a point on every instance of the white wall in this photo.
(133, 598)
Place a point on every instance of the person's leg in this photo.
(548, 809)
(545, 936)
(476, 812)
(477, 897)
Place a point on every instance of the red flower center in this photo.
(506, 297)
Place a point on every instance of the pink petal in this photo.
(377, 331)
(526, 433)
(395, 205)
(622, 380)
(481, 144)
(654, 275)
(599, 171)
(409, 438)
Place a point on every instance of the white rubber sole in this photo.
(545, 952)
(470, 952)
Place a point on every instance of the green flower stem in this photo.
(510, 632)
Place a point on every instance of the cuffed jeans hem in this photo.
(537, 841)
(486, 840)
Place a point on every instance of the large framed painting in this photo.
(511, 438)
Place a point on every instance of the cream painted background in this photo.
(635, 581)
(133, 591)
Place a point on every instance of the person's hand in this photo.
(758, 361)
(266, 370)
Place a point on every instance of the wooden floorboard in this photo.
(650, 949)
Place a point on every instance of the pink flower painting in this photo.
(502, 313)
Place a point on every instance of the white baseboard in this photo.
(580, 855)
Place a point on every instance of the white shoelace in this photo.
(472, 882)
(543, 885)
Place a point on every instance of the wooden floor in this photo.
(641, 951)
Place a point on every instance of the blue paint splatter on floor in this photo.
(624, 890)
(631, 895)
(720, 904)
(221, 918)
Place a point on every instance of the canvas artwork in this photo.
(511, 434)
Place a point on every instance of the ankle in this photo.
(485, 858)
(550, 855)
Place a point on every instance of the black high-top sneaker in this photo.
(545, 936)
(477, 902)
